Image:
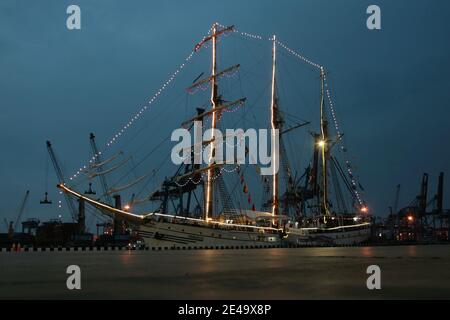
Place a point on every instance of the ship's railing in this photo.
(212, 223)
(178, 219)
(360, 226)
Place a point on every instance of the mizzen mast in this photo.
(323, 144)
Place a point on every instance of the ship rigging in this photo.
(198, 198)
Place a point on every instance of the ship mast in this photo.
(217, 107)
(274, 125)
(323, 144)
(209, 183)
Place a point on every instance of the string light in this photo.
(333, 114)
(203, 175)
(281, 44)
(144, 108)
(205, 86)
(245, 34)
(336, 126)
(232, 110)
(138, 114)
(249, 35)
(298, 55)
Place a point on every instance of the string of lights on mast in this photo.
(183, 65)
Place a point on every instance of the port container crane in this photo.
(98, 161)
(60, 176)
(21, 209)
(6, 224)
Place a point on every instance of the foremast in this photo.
(212, 168)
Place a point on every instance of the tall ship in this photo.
(195, 208)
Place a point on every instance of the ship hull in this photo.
(329, 237)
(171, 235)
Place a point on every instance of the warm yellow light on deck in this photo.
(127, 207)
(410, 218)
(364, 209)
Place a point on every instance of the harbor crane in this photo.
(21, 209)
(6, 224)
(98, 161)
(60, 176)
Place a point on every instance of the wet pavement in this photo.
(407, 272)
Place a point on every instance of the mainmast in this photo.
(274, 126)
(323, 144)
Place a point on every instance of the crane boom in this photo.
(21, 209)
(98, 162)
(60, 176)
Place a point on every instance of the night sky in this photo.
(390, 86)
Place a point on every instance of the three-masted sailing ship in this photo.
(283, 218)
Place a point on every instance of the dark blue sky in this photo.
(391, 86)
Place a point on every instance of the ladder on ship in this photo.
(225, 197)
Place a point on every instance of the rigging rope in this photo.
(139, 113)
(343, 148)
(96, 165)
(95, 174)
(110, 191)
